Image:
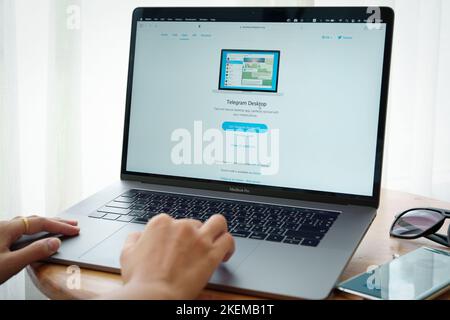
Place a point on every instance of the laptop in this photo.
(273, 117)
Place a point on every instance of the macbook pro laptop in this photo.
(273, 117)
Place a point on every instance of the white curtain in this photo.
(63, 68)
(417, 153)
(10, 196)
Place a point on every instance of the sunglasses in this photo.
(421, 222)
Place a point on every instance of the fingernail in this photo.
(53, 244)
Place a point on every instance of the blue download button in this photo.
(244, 127)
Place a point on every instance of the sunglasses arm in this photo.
(440, 238)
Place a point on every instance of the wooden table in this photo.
(376, 248)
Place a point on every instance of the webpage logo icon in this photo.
(249, 70)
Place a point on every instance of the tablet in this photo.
(418, 275)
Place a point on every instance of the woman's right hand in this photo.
(173, 259)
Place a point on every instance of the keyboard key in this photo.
(97, 214)
(200, 202)
(144, 195)
(275, 238)
(258, 235)
(310, 242)
(258, 209)
(303, 234)
(130, 194)
(138, 207)
(242, 213)
(276, 210)
(137, 213)
(244, 226)
(260, 228)
(166, 210)
(181, 212)
(312, 229)
(150, 215)
(214, 203)
(291, 212)
(327, 214)
(242, 219)
(274, 224)
(194, 215)
(277, 231)
(111, 216)
(260, 216)
(256, 222)
(229, 206)
(124, 199)
(198, 208)
(241, 234)
(125, 218)
(184, 206)
(292, 219)
(228, 215)
(117, 204)
(274, 217)
(114, 210)
(291, 226)
(213, 210)
(246, 207)
(291, 241)
(140, 220)
(152, 208)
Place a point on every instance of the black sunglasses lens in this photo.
(416, 222)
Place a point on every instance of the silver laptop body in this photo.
(319, 75)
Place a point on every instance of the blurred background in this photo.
(63, 71)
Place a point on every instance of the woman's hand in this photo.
(173, 259)
(11, 262)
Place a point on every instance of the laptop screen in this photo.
(292, 104)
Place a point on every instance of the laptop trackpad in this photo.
(107, 252)
(244, 248)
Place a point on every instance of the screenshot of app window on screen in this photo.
(277, 104)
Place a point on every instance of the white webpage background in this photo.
(328, 101)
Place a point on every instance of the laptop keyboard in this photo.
(291, 225)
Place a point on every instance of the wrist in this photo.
(139, 291)
(151, 291)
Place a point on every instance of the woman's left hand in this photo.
(11, 262)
